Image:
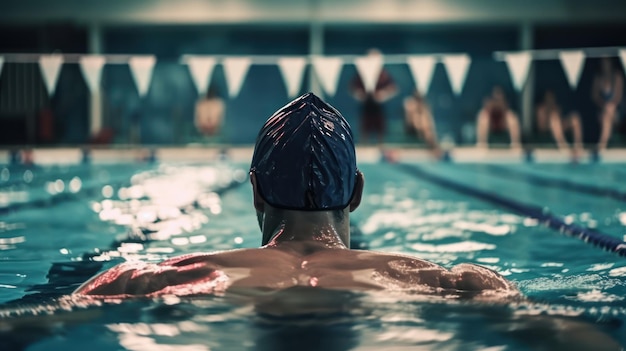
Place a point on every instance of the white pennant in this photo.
(1, 63)
(369, 68)
(622, 56)
(50, 66)
(201, 69)
(457, 66)
(327, 70)
(141, 67)
(518, 64)
(422, 69)
(292, 69)
(236, 69)
(91, 66)
(572, 62)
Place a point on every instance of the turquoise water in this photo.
(61, 225)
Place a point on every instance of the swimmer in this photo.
(373, 120)
(496, 116)
(550, 119)
(418, 120)
(305, 183)
(607, 92)
(209, 113)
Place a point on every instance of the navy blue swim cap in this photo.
(304, 157)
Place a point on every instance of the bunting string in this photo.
(325, 68)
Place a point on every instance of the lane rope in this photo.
(536, 179)
(591, 236)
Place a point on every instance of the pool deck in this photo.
(392, 153)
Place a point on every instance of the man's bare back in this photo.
(293, 264)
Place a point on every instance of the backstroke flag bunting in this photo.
(457, 66)
(369, 68)
(141, 68)
(292, 70)
(422, 69)
(327, 70)
(235, 69)
(50, 66)
(572, 62)
(201, 70)
(91, 67)
(518, 64)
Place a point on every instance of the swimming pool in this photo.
(59, 225)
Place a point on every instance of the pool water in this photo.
(60, 225)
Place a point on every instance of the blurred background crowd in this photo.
(547, 106)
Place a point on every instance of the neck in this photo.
(325, 228)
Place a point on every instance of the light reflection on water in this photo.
(172, 210)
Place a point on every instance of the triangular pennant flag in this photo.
(369, 68)
(292, 69)
(50, 66)
(236, 69)
(91, 66)
(141, 68)
(422, 69)
(457, 66)
(622, 56)
(327, 70)
(1, 63)
(201, 69)
(572, 62)
(518, 64)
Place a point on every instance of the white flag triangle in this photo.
(50, 66)
(327, 70)
(292, 69)
(369, 68)
(201, 69)
(572, 62)
(457, 67)
(1, 63)
(91, 66)
(518, 64)
(622, 56)
(141, 68)
(422, 69)
(236, 69)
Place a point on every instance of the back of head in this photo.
(304, 157)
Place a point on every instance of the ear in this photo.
(259, 203)
(358, 191)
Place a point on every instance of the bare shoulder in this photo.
(462, 277)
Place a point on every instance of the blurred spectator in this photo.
(104, 137)
(45, 125)
(551, 120)
(209, 113)
(606, 93)
(372, 112)
(418, 121)
(495, 116)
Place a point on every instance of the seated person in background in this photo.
(209, 113)
(606, 93)
(305, 183)
(418, 120)
(551, 120)
(372, 113)
(496, 116)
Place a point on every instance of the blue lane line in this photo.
(559, 183)
(604, 241)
